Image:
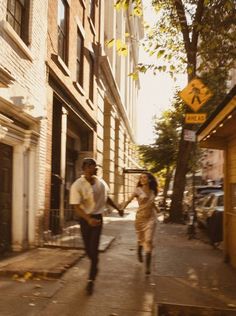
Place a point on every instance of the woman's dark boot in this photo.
(148, 262)
(140, 253)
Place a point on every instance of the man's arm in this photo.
(112, 203)
(91, 221)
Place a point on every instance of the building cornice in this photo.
(14, 111)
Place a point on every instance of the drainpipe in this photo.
(63, 164)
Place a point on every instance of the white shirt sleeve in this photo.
(75, 195)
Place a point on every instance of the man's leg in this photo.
(91, 237)
(94, 248)
(85, 232)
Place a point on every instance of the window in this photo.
(91, 73)
(62, 29)
(79, 58)
(92, 10)
(18, 17)
(82, 16)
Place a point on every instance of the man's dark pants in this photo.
(91, 237)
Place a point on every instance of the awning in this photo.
(220, 125)
(134, 170)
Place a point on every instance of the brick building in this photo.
(91, 100)
(117, 99)
(63, 96)
(72, 68)
(22, 125)
(212, 166)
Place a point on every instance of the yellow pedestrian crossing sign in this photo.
(195, 94)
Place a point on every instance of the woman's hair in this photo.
(153, 185)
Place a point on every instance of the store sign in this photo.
(195, 118)
(195, 94)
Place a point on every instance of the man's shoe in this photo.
(89, 287)
(147, 272)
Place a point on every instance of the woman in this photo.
(145, 222)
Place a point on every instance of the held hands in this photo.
(121, 212)
(121, 209)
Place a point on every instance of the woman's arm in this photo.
(126, 203)
(112, 203)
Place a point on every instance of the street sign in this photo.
(195, 118)
(189, 135)
(195, 94)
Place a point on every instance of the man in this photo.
(89, 196)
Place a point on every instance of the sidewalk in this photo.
(47, 262)
(191, 275)
(188, 278)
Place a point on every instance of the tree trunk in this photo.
(166, 186)
(185, 149)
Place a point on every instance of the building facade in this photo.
(72, 71)
(117, 98)
(212, 166)
(63, 96)
(23, 31)
(90, 99)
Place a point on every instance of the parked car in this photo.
(199, 193)
(203, 190)
(160, 200)
(210, 215)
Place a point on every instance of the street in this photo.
(184, 273)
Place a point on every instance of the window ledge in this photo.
(57, 59)
(90, 103)
(79, 88)
(17, 40)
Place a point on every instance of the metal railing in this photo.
(58, 233)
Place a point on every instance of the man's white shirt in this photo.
(91, 198)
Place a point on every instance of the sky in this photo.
(156, 91)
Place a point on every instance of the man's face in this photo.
(91, 169)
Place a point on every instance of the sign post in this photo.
(195, 95)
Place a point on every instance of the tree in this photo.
(161, 155)
(196, 36)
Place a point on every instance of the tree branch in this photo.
(197, 21)
(183, 24)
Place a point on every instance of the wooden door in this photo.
(6, 153)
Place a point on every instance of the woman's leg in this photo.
(140, 253)
(148, 262)
(140, 237)
(148, 244)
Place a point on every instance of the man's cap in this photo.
(88, 162)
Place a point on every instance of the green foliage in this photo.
(196, 37)
(191, 36)
(121, 47)
(124, 4)
(161, 155)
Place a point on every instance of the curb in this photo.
(167, 309)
